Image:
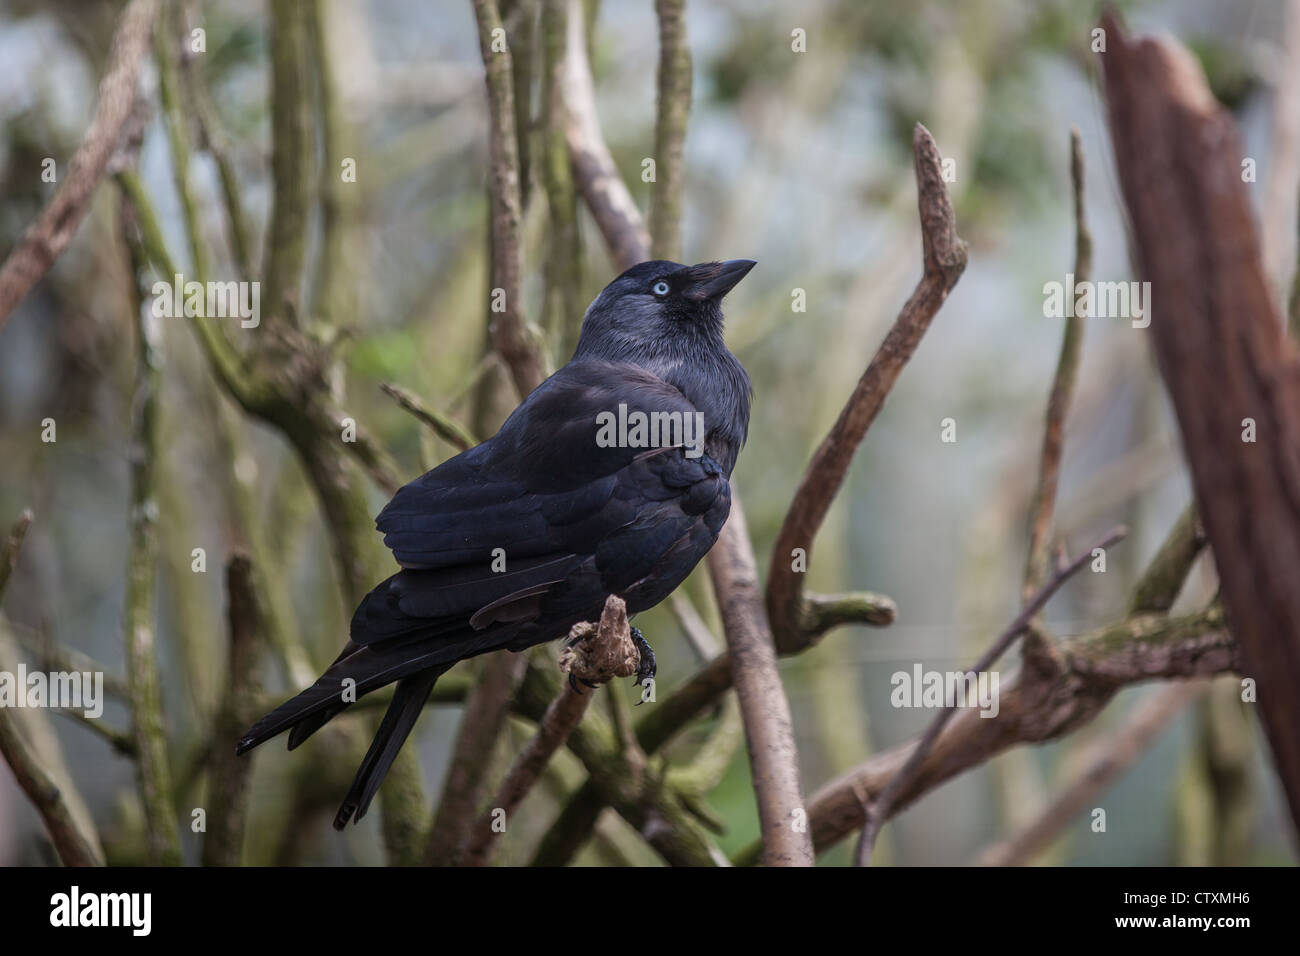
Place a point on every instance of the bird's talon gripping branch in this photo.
(574, 681)
(647, 668)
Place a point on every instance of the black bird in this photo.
(512, 542)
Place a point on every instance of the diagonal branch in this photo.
(610, 640)
(1036, 707)
(944, 257)
(228, 778)
(598, 179)
(880, 807)
(1058, 401)
(54, 228)
(75, 843)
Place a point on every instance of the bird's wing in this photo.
(490, 533)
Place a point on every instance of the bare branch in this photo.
(672, 113)
(1037, 706)
(471, 758)
(143, 680)
(75, 844)
(599, 182)
(882, 805)
(769, 732)
(443, 426)
(54, 228)
(1160, 583)
(228, 774)
(1222, 352)
(510, 334)
(564, 247)
(945, 258)
(1058, 401)
(637, 795)
(825, 611)
(608, 643)
(292, 169)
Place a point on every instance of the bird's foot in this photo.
(645, 670)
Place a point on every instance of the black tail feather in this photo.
(408, 701)
(370, 669)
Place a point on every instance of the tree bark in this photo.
(1218, 336)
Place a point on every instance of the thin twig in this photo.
(13, 544)
(1058, 401)
(75, 842)
(443, 426)
(213, 139)
(702, 640)
(879, 809)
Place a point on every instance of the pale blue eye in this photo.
(660, 288)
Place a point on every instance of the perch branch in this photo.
(609, 642)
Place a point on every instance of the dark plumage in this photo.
(573, 521)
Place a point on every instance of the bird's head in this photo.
(659, 304)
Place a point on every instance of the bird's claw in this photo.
(646, 669)
(573, 683)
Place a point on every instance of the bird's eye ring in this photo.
(660, 288)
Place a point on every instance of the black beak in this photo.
(713, 280)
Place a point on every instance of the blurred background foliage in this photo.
(801, 161)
